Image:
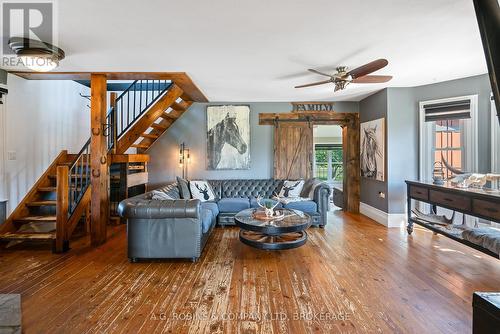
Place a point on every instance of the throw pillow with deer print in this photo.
(291, 188)
(201, 190)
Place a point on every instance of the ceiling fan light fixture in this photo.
(36, 55)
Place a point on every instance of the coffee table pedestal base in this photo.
(273, 242)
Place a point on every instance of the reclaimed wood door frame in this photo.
(350, 145)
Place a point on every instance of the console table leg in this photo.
(409, 227)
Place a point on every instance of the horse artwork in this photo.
(373, 149)
(228, 132)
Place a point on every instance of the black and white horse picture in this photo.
(228, 137)
(372, 149)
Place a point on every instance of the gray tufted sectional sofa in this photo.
(179, 228)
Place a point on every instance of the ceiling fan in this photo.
(358, 75)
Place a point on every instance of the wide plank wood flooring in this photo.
(354, 276)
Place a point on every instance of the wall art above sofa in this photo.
(228, 137)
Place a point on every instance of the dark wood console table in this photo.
(481, 203)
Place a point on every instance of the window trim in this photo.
(470, 137)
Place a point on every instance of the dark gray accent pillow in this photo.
(183, 188)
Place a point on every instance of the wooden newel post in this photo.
(62, 242)
(98, 160)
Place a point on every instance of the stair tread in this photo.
(158, 126)
(166, 115)
(47, 189)
(72, 176)
(149, 135)
(37, 219)
(41, 203)
(139, 146)
(179, 106)
(28, 236)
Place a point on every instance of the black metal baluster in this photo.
(121, 115)
(140, 99)
(135, 91)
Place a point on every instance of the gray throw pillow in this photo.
(183, 188)
(160, 195)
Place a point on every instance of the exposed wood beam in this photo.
(98, 161)
(124, 158)
(315, 117)
(181, 79)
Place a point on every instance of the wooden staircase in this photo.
(37, 217)
(58, 200)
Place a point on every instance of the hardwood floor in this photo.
(354, 276)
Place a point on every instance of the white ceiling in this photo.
(258, 50)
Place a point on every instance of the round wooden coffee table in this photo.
(282, 233)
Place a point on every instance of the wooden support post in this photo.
(62, 242)
(350, 147)
(98, 161)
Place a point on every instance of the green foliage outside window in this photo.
(322, 163)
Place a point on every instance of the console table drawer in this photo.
(486, 208)
(419, 192)
(450, 200)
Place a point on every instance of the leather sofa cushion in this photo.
(207, 219)
(212, 206)
(304, 206)
(253, 203)
(233, 204)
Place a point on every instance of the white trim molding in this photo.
(381, 217)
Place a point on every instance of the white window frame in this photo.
(470, 138)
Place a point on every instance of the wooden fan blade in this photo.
(372, 79)
(314, 84)
(320, 73)
(368, 68)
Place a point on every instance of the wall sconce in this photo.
(184, 159)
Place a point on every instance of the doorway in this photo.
(328, 160)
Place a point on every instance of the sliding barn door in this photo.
(293, 151)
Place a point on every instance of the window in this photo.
(448, 131)
(329, 162)
(448, 144)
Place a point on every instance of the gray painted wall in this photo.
(191, 129)
(400, 106)
(371, 108)
(402, 146)
(480, 85)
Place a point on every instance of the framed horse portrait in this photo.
(372, 151)
(228, 137)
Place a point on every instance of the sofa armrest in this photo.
(321, 191)
(137, 207)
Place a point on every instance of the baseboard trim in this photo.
(381, 217)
